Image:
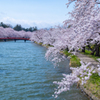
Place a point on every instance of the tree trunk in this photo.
(90, 48)
(83, 49)
(67, 49)
(97, 51)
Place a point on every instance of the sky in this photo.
(31, 13)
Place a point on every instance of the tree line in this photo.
(18, 27)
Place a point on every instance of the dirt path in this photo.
(87, 59)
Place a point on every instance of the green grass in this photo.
(74, 60)
(93, 84)
(40, 43)
(88, 53)
(95, 79)
(47, 46)
(66, 53)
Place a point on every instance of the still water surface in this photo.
(26, 75)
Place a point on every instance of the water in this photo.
(26, 75)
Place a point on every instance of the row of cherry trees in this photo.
(84, 28)
(81, 30)
(9, 32)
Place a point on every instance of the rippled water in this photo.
(26, 75)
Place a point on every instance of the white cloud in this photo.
(26, 23)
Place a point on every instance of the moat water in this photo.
(26, 75)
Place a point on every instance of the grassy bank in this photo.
(45, 45)
(74, 60)
(93, 85)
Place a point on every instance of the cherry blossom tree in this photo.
(85, 22)
(9, 32)
(2, 32)
(86, 28)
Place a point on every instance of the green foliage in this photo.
(18, 27)
(31, 29)
(88, 52)
(5, 25)
(65, 52)
(95, 79)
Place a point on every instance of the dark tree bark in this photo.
(90, 48)
(97, 51)
(83, 49)
(67, 49)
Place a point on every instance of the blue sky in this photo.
(40, 13)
